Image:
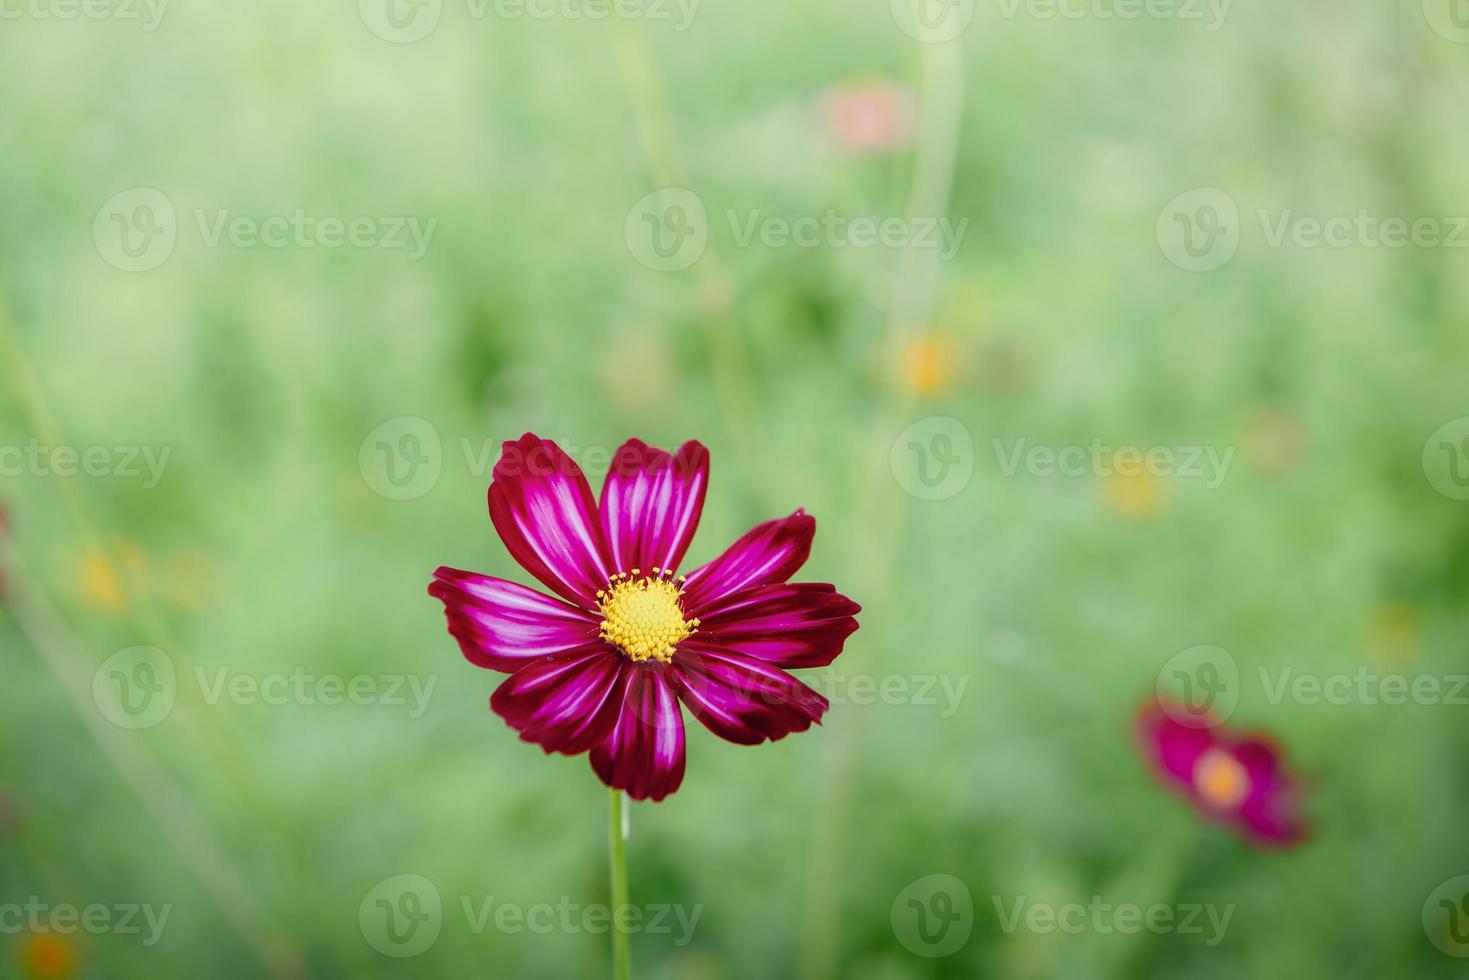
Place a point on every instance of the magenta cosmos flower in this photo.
(604, 668)
(1235, 779)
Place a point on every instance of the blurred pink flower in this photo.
(1236, 779)
(868, 116)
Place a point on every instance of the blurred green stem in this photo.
(940, 115)
(187, 834)
(653, 118)
(224, 753)
(617, 855)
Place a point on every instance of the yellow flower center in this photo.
(1221, 780)
(642, 615)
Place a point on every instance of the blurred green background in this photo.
(282, 539)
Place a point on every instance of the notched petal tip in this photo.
(544, 512)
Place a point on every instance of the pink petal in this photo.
(643, 754)
(1172, 747)
(651, 503)
(504, 626)
(768, 554)
(567, 704)
(741, 699)
(790, 626)
(1271, 813)
(544, 510)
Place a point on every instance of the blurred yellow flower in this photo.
(101, 577)
(46, 956)
(928, 364)
(1133, 495)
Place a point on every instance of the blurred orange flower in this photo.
(928, 364)
(46, 956)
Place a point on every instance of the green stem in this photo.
(617, 854)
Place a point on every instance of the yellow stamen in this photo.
(1221, 780)
(643, 616)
